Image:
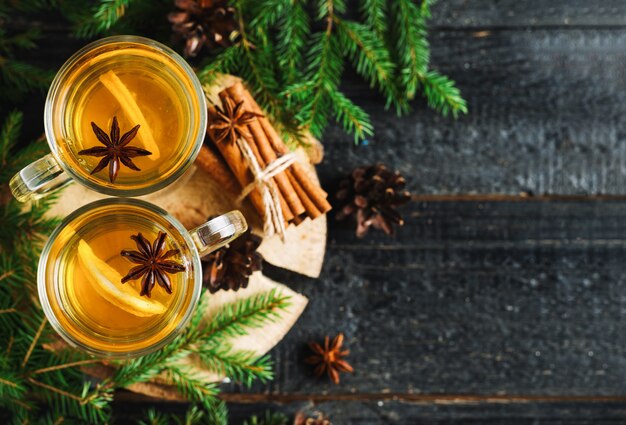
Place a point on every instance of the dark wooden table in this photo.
(503, 299)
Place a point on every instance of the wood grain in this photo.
(528, 13)
(512, 306)
(481, 298)
(546, 110)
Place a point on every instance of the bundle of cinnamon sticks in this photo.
(299, 195)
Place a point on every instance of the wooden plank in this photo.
(481, 298)
(529, 13)
(545, 117)
(394, 412)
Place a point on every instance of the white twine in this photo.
(274, 220)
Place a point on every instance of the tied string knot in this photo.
(274, 220)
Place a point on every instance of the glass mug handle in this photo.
(38, 179)
(218, 232)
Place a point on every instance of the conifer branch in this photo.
(55, 390)
(34, 342)
(65, 366)
(262, 78)
(9, 383)
(102, 17)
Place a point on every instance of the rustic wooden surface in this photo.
(503, 299)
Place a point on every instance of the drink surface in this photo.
(139, 85)
(83, 281)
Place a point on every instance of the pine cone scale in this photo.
(230, 267)
(210, 23)
(371, 194)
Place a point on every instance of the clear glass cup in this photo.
(137, 81)
(81, 268)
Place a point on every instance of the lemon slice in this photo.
(128, 104)
(107, 283)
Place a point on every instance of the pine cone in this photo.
(230, 267)
(210, 23)
(371, 194)
(317, 418)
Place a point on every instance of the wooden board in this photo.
(377, 412)
(489, 298)
(529, 13)
(545, 85)
(477, 312)
(546, 117)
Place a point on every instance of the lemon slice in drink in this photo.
(107, 283)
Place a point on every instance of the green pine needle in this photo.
(270, 418)
(103, 17)
(442, 95)
(374, 13)
(294, 70)
(353, 118)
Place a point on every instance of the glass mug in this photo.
(132, 81)
(95, 248)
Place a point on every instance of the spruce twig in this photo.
(295, 71)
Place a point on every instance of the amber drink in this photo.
(134, 84)
(120, 278)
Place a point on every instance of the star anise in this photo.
(230, 122)
(153, 263)
(313, 418)
(115, 150)
(329, 358)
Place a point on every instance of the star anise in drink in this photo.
(154, 265)
(231, 121)
(115, 150)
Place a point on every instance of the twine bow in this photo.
(274, 220)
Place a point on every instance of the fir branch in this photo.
(23, 40)
(409, 32)
(213, 412)
(354, 119)
(270, 418)
(240, 366)
(64, 366)
(216, 412)
(224, 63)
(34, 342)
(253, 312)
(154, 417)
(371, 59)
(193, 416)
(294, 28)
(322, 75)
(103, 16)
(231, 320)
(374, 13)
(9, 135)
(442, 95)
(189, 385)
(256, 66)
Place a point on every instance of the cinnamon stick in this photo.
(239, 93)
(310, 207)
(269, 155)
(286, 210)
(210, 161)
(235, 160)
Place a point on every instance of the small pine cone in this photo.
(317, 418)
(230, 267)
(371, 194)
(210, 23)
